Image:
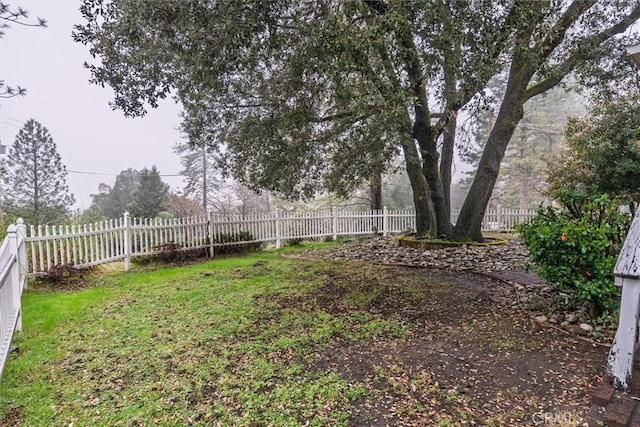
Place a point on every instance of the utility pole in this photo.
(204, 178)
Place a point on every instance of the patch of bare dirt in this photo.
(12, 418)
(469, 357)
(65, 278)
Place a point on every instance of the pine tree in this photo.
(150, 194)
(34, 185)
(538, 137)
(198, 169)
(114, 201)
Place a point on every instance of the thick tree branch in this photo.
(503, 35)
(581, 53)
(461, 97)
(557, 34)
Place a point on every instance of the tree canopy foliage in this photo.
(602, 155)
(33, 178)
(141, 193)
(150, 194)
(114, 201)
(302, 96)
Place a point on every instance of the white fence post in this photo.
(278, 230)
(627, 275)
(210, 231)
(334, 223)
(127, 241)
(23, 260)
(385, 221)
(14, 244)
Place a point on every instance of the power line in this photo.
(91, 173)
(113, 174)
(75, 171)
(71, 138)
(11, 124)
(12, 119)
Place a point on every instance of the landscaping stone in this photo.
(571, 318)
(586, 327)
(511, 256)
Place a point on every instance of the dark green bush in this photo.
(293, 242)
(236, 243)
(577, 250)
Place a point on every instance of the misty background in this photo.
(95, 142)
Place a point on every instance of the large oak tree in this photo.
(302, 96)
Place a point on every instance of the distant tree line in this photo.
(141, 193)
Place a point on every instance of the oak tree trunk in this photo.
(425, 220)
(446, 161)
(469, 223)
(375, 190)
(422, 132)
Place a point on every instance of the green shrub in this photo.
(236, 243)
(293, 242)
(5, 221)
(577, 250)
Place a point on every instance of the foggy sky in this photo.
(89, 135)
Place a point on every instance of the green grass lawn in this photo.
(265, 340)
(207, 344)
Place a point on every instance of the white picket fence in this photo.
(13, 280)
(501, 219)
(123, 239)
(40, 249)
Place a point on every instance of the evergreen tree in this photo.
(199, 168)
(34, 179)
(114, 201)
(537, 139)
(521, 182)
(150, 194)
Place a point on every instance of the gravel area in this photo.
(509, 263)
(385, 250)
